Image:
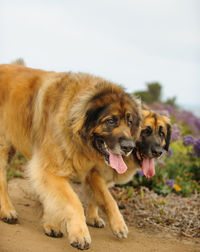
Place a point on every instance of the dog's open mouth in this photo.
(147, 163)
(114, 160)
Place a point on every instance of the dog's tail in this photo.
(19, 61)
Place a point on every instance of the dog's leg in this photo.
(105, 199)
(7, 210)
(93, 218)
(61, 202)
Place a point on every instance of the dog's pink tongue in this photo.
(148, 167)
(117, 163)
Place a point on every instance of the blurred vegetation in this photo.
(152, 94)
(171, 101)
(16, 166)
(19, 61)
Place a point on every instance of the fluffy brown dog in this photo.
(153, 141)
(66, 125)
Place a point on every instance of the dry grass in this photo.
(146, 209)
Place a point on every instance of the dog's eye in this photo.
(147, 131)
(162, 134)
(130, 123)
(111, 122)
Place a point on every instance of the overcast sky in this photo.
(131, 42)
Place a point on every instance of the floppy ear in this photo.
(168, 137)
(90, 120)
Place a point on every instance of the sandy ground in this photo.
(28, 236)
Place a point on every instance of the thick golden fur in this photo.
(51, 118)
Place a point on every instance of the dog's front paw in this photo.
(119, 229)
(53, 233)
(81, 243)
(9, 217)
(80, 238)
(52, 230)
(96, 222)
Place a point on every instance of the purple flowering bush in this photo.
(176, 133)
(195, 143)
(188, 140)
(179, 169)
(189, 123)
(196, 148)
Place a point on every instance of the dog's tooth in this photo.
(105, 146)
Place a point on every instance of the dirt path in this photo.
(28, 236)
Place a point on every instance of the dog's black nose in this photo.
(156, 151)
(126, 145)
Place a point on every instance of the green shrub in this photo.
(15, 168)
